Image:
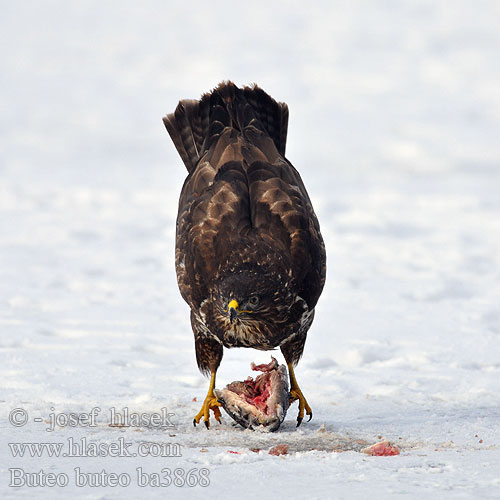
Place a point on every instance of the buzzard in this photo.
(250, 259)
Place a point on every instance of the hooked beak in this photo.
(232, 309)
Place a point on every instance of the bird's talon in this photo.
(296, 394)
(217, 413)
(210, 403)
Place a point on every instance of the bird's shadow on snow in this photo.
(308, 437)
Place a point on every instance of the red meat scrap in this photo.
(381, 449)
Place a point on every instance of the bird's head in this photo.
(254, 294)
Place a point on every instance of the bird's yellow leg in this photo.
(296, 393)
(210, 403)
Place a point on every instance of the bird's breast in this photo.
(254, 334)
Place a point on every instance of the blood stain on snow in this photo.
(280, 449)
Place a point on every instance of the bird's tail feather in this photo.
(194, 125)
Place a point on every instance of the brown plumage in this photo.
(246, 228)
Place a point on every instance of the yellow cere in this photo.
(234, 304)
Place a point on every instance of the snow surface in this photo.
(394, 126)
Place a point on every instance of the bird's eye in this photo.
(253, 300)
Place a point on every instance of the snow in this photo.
(394, 126)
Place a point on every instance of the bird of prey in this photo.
(250, 259)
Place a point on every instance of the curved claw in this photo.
(304, 407)
(299, 418)
(210, 403)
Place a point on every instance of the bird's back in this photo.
(241, 196)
